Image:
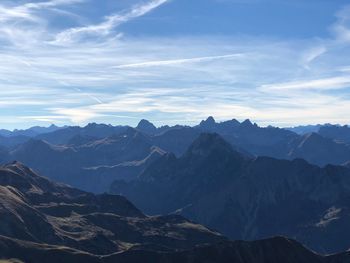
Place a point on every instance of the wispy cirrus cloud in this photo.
(334, 83)
(78, 72)
(26, 23)
(341, 29)
(109, 24)
(25, 11)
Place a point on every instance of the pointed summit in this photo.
(247, 123)
(146, 127)
(209, 123)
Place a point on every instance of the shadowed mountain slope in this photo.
(243, 197)
(336, 132)
(274, 250)
(118, 156)
(35, 210)
(43, 221)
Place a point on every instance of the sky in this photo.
(72, 62)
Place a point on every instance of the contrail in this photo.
(176, 61)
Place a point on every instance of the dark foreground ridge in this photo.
(42, 221)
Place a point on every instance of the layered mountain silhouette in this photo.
(336, 132)
(42, 221)
(248, 198)
(270, 141)
(92, 165)
(304, 129)
(31, 132)
(318, 150)
(13, 141)
(63, 136)
(92, 157)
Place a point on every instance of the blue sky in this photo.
(72, 62)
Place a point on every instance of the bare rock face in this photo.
(248, 198)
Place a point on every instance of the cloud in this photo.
(109, 24)
(313, 84)
(48, 4)
(341, 29)
(25, 11)
(264, 81)
(168, 79)
(24, 25)
(176, 61)
(89, 95)
(312, 54)
(75, 115)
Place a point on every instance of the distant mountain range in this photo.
(92, 157)
(305, 129)
(31, 132)
(42, 221)
(90, 165)
(248, 198)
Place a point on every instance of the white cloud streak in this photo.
(111, 22)
(313, 84)
(25, 11)
(176, 61)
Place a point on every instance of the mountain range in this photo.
(36, 212)
(239, 181)
(247, 198)
(336, 132)
(43, 221)
(92, 157)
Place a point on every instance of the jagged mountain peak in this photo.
(208, 123)
(92, 125)
(146, 127)
(231, 123)
(247, 123)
